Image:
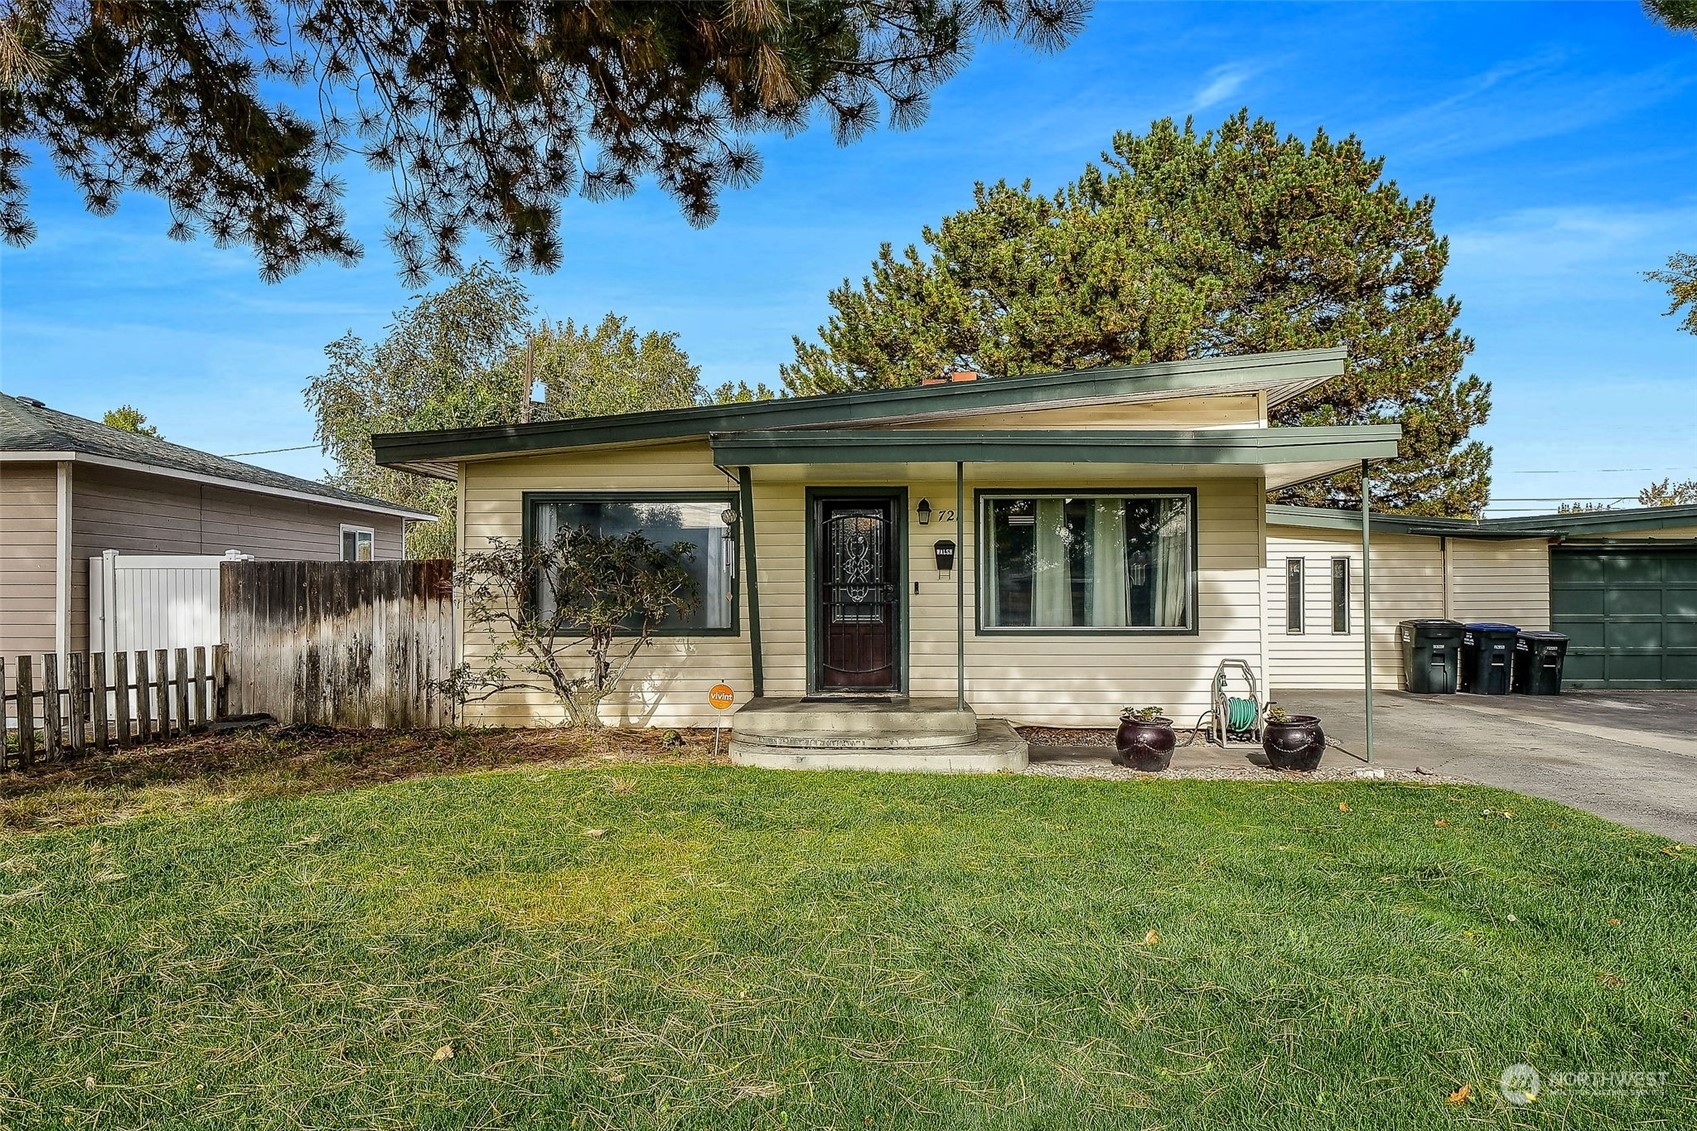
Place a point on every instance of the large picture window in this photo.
(696, 519)
(1109, 562)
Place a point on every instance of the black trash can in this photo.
(1487, 658)
(1538, 658)
(1431, 655)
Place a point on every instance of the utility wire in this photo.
(270, 451)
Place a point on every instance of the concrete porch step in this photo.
(995, 746)
(895, 723)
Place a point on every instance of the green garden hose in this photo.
(1240, 715)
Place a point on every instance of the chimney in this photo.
(963, 375)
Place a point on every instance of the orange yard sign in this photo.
(721, 696)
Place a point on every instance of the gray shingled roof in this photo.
(32, 427)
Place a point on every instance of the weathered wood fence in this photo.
(47, 713)
(357, 644)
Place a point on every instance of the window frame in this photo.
(727, 498)
(1345, 607)
(981, 497)
(1296, 610)
(341, 542)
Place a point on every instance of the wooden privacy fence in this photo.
(356, 644)
(99, 700)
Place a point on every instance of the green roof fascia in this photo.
(1600, 522)
(1250, 446)
(1331, 518)
(1296, 370)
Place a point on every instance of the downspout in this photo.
(1367, 603)
(960, 587)
(1445, 570)
(62, 565)
(751, 570)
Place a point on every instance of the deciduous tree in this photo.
(127, 418)
(459, 358)
(1186, 244)
(1680, 278)
(1667, 493)
(567, 617)
(484, 115)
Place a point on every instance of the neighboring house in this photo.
(71, 489)
(1622, 584)
(1123, 550)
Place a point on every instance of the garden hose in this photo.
(1240, 715)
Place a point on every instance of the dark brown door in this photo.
(858, 592)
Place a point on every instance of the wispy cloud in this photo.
(1223, 83)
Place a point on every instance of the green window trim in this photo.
(982, 497)
(729, 498)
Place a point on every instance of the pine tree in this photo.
(1182, 244)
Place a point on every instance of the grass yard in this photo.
(693, 946)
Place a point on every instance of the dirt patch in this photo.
(286, 761)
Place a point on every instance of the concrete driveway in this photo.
(1628, 756)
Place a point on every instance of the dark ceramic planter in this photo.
(1145, 746)
(1295, 744)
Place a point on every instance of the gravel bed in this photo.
(1248, 771)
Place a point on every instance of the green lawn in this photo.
(739, 949)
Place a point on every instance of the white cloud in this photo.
(1223, 83)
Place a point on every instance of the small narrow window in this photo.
(1340, 595)
(356, 544)
(1293, 596)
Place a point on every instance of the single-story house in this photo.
(1042, 550)
(1621, 584)
(1035, 549)
(71, 489)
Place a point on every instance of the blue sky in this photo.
(1560, 142)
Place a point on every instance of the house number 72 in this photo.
(945, 516)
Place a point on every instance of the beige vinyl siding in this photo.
(1231, 410)
(28, 508)
(667, 685)
(1407, 582)
(1501, 581)
(1061, 680)
(135, 513)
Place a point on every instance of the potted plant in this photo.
(1292, 742)
(1145, 740)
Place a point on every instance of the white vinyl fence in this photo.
(143, 602)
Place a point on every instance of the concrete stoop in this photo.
(926, 735)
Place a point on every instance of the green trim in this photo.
(1248, 446)
(814, 495)
(745, 492)
(981, 494)
(1286, 375)
(1529, 526)
(531, 498)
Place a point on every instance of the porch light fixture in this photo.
(925, 512)
(728, 516)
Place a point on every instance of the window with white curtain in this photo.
(696, 519)
(1105, 562)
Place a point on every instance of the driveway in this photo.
(1628, 756)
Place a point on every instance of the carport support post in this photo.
(960, 586)
(1367, 603)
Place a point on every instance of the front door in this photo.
(857, 582)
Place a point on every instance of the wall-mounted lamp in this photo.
(945, 552)
(728, 516)
(925, 512)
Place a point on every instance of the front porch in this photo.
(883, 732)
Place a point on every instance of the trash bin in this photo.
(1431, 655)
(1538, 660)
(1487, 658)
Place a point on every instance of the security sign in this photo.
(721, 696)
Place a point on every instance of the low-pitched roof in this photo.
(1281, 376)
(29, 430)
(1521, 526)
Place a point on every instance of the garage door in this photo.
(1630, 613)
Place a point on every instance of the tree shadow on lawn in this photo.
(202, 770)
